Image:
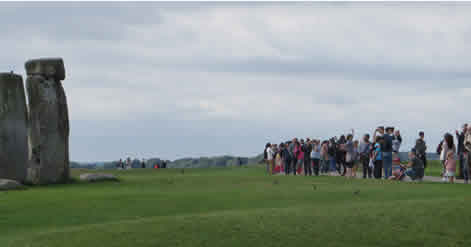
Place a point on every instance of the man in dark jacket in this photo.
(340, 155)
(461, 150)
(307, 148)
(421, 148)
(286, 156)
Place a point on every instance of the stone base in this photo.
(8, 184)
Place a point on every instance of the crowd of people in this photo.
(377, 158)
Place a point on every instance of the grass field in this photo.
(235, 207)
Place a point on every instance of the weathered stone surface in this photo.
(8, 184)
(49, 131)
(95, 177)
(47, 67)
(13, 128)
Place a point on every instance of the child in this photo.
(450, 165)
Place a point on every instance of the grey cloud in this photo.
(188, 79)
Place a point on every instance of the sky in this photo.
(174, 80)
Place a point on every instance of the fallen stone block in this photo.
(96, 177)
(8, 184)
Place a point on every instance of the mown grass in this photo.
(235, 207)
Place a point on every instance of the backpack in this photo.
(331, 150)
(439, 148)
(420, 147)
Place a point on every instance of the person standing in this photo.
(443, 156)
(378, 158)
(396, 141)
(278, 159)
(270, 159)
(143, 163)
(349, 155)
(421, 149)
(467, 154)
(265, 160)
(307, 148)
(325, 157)
(299, 154)
(341, 155)
(365, 151)
(387, 152)
(356, 158)
(461, 149)
(332, 151)
(128, 163)
(291, 150)
(316, 156)
(286, 158)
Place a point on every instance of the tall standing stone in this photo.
(13, 128)
(49, 132)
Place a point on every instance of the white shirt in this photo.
(270, 153)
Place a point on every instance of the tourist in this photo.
(286, 157)
(461, 149)
(332, 150)
(316, 156)
(128, 163)
(341, 155)
(278, 160)
(396, 145)
(365, 151)
(450, 166)
(467, 146)
(143, 163)
(265, 156)
(356, 158)
(349, 155)
(396, 141)
(416, 166)
(325, 161)
(447, 146)
(378, 132)
(307, 148)
(298, 159)
(270, 159)
(387, 149)
(377, 158)
(421, 149)
(294, 160)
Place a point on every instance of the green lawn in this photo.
(235, 207)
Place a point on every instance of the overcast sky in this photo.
(190, 79)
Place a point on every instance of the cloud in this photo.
(182, 79)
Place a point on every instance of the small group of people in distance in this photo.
(127, 164)
(378, 158)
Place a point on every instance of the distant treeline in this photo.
(202, 162)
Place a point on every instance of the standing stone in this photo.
(13, 128)
(49, 132)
